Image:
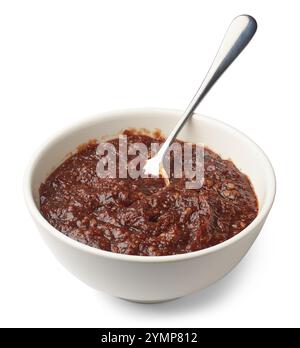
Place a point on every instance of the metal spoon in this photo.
(238, 35)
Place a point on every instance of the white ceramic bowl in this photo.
(152, 278)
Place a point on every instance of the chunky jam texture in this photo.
(144, 216)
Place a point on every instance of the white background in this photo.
(61, 61)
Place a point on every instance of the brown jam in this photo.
(143, 216)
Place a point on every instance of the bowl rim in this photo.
(37, 216)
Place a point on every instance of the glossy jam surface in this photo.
(143, 216)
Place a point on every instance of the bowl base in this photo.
(149, 301)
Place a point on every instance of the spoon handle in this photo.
(238, 35)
